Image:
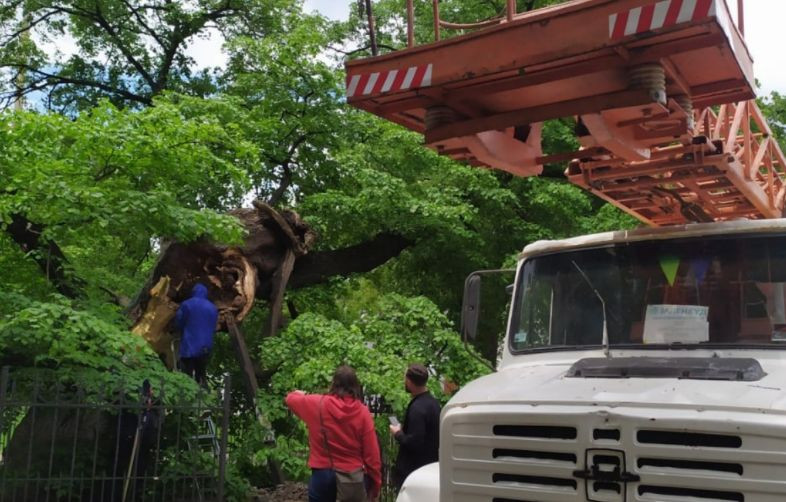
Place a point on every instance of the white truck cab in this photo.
(645, 365)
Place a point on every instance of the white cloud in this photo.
(207, 51)
(763, 24)
(333, 9)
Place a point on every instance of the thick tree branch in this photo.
(47, 254)
(99, 18)
(283, 185)
(60, 79)
(141, 20)
(286, 176)
(317, 267)
(162, 76)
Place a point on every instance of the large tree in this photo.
(281, 116)
(129, 179)
(126, 50)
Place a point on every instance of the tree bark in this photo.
(46, 254)
(318, 267)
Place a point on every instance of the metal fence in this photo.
(380, 408)
(63, 442)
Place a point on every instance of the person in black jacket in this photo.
(419, 438)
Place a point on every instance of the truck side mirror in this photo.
(470, 308)
(509, 289)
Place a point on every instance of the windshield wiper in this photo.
(605, 340)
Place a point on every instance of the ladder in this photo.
(207, 440)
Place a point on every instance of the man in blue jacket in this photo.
(197, 317)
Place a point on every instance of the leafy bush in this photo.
(82, 348)
(387, 335)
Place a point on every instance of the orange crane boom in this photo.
(661, 91)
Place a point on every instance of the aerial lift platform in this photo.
(661, 92)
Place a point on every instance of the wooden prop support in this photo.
(241, 352)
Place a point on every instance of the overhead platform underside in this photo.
(658, 89)
(555, 62)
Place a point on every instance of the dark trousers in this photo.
(398, 479)
(322, 486)
(195, 367)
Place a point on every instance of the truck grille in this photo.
(688, 439)
(535, 431)
(658, 492)
(603, 457)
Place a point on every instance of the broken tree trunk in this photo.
(235, 275)
(274, 257)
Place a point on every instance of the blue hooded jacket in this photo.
(197, 317)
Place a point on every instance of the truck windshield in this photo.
(708, 291)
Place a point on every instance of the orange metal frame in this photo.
(632, 72)
(501, 75)
(733, 168)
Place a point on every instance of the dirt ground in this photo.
(288, 492)
(298, 492)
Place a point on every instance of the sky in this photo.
(763, 20)
(207, 51)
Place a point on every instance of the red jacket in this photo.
(350, 434)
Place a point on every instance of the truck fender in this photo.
(422, 485)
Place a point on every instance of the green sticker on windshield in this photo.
(669, 264)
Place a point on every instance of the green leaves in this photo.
(82, 347)
(774, 107)
(292, 108)
(108, 182)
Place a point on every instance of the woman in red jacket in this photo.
(341, 436)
